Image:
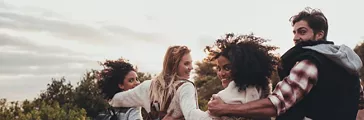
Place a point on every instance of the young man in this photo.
(319, 80)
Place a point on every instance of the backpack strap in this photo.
(169, 100)
(159, 114)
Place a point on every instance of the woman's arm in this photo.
(136, 97)
(188, 103)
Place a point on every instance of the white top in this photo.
(232, 95)
(183, 104)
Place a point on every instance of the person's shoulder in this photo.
(184, 82)
(145, 85)
(146, 82)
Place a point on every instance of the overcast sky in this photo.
(44, 39)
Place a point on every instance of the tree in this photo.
(274, 78)
(9, 111)
(88, 96)
(59, 91)
(144, 76)
(206, 82)
(53, 111)
(359, 49)
(40, 110)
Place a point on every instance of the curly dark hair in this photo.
(112, 75)
(314, 18)
(251, 61)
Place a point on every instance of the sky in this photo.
(45, 39)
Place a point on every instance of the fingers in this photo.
(215, 96)
(168, 115)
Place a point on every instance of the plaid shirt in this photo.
(302, 77)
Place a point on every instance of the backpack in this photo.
(113, 113)
(157, 114)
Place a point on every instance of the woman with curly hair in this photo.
(119, 76)
(244, 65)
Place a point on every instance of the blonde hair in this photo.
(162, 86)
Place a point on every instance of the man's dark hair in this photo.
(112, 75)
(251, 62)
(314, 18)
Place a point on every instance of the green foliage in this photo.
(359, 49)
(59, 91)
(144, 76)
(206, 82)
(40, 110)
(274, 78)
(88, 96)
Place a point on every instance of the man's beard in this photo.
(296, 41)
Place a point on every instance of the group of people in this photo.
(319, 80)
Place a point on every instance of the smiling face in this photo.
(223, 70)
(177, 62)
(185, 66)
(130, 81)
(303, 32)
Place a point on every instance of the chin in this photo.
(224, 85)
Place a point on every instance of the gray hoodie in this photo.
(342, 55)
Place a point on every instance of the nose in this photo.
(222, 73)
(296, 36)
(137, 82)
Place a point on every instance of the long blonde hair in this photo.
(162, 86)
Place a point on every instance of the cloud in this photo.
(204, 41)
(67, 29)
(57, 27)
(27, 57)
(30, 66)
(30, 86)
(30, 59)
(27, 45)
(132, 34)
(66, 69)
(14, 64)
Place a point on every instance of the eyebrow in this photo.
(299, 29)
(228, 64)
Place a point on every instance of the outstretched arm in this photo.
(257, 109)
(135, 97)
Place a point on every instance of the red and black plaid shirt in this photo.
(302, 77)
